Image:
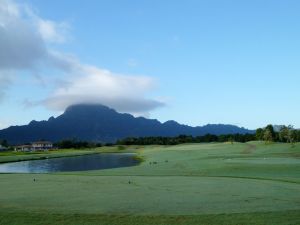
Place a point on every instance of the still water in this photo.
(74, 163)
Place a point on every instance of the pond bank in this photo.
(7, 157)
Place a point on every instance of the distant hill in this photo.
(101, 124)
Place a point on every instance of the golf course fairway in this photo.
(215, 183)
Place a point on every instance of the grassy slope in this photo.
(189, 184)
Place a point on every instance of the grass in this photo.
(218, 183)
(278, 218)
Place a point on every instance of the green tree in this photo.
(268, 136)
(284, 134)
(259, 134)
(271, 129)
(293, 137)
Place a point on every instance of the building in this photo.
(42, 145)
(35, 146)
(23, 148)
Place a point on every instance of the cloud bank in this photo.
(24, 42)
(89, 84)
(21, 45)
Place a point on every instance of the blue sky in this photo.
(196, 62)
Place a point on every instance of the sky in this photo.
(195, 61)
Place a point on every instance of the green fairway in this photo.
(249, 183)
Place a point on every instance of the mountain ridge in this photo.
(99, 123)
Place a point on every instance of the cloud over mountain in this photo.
(89, 84)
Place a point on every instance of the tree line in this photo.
(73, 143)
(181, 139)
(285, 134)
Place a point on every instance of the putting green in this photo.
(170, 195)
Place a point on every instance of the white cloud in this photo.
(9, 7)
(24, 44)
(52, 31)
(93, 85)
(24, 36)
(21, 46)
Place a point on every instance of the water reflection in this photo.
(74, 163)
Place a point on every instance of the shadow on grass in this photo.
(272, 218)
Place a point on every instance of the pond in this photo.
(74, 163)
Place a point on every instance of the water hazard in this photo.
(74, 163)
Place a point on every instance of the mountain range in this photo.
(99, 123)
